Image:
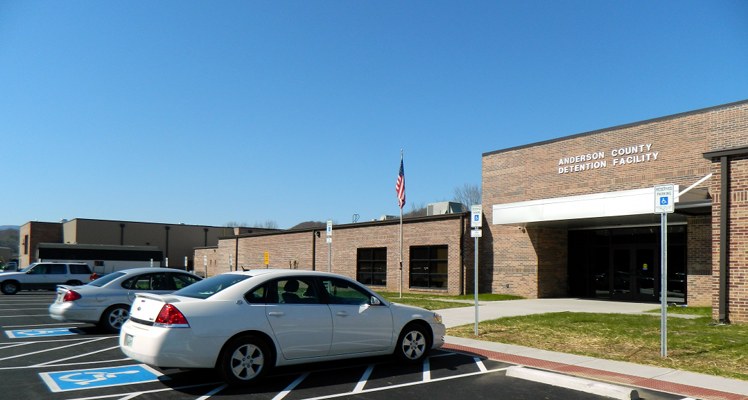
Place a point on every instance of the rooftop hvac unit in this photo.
(444, 207)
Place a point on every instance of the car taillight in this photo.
(171, 317)
(71, 295)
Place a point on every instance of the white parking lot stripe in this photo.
(11, 345)
(480, 364)
(381, 389)
(131, 395)
(290, 387)
(54, 348)
(364, 379)
(426, 370)
(42, 325)
(24, 316)
(77, 356)
(212, 392)
(68, 364)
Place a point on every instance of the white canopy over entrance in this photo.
(598, 205)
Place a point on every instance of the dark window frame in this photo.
(431, 278)
(371, 266)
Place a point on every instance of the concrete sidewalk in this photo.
(684, 383)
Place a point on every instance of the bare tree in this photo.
(468, 194)
(416, 211)
(268, 224)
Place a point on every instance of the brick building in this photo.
(569, 217)
(437, 253)
(81, 238)
(575, 216)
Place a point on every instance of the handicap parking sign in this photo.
(65, 381)
(34, 333)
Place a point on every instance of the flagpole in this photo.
(401, 237)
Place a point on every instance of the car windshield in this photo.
(209, 287)
(27, 268)
(106, 279)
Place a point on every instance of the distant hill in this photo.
(4, 227)
(9, 237)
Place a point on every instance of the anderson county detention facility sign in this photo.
(616, 157)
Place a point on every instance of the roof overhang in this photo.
(627, 206)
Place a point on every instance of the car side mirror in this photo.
(375, 301)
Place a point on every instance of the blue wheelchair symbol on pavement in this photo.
(34, 333)
(65, 381)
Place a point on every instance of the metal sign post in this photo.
(329, 246)
(664, 196)
(476, 222)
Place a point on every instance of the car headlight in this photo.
(437, 318)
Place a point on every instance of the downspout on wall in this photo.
(463, 289)
(724, 232)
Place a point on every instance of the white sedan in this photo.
(244, 323)
(106, 301)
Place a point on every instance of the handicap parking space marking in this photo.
(43, 332)
(64, 381)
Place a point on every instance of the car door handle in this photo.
(276, 313)
(341, 314)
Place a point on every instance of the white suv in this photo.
(45, 275)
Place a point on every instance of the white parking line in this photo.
(11, 345)
(61, 323)
(426, 370)
(290, 387)
(77, 356)
(78, 339)
(131, 395)
(68, 365)
(212, 392)
(25, 309)
(52, 349)
(364, 379)
(381, 389)
(24, 316)
(480, 364)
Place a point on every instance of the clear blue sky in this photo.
(209, 112)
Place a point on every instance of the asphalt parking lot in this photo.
(43, 358)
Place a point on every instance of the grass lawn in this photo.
(439, 302)
(694, 344)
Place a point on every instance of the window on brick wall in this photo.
(371, 266)
(428, 267)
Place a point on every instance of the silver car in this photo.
(106, 301)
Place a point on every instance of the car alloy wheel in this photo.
(413, 343)
(114, 317)
(244, 359)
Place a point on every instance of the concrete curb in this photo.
(573, 383)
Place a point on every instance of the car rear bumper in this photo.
(71, 312)
(167, 347)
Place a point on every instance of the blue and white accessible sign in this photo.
(664, 199)
(80, 379)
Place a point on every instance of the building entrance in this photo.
(624, 264)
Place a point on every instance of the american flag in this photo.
(400, 185)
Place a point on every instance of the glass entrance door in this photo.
(624, 264)
(635, 273)
(647, 272)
